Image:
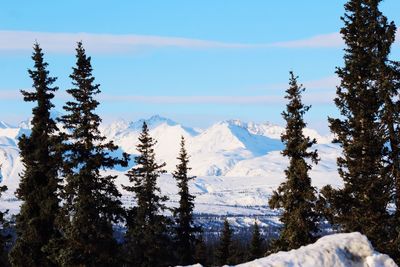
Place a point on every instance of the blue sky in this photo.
(196, 62)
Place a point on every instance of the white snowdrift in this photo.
(352, 249)
(337, 250)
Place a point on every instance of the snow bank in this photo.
(337, 250)
(351, 249)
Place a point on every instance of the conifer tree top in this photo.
(43, 93)
(296, 142)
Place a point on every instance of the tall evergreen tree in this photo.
(296, 196)
(364, 101)
(224, 249)
(39, 180)
(256, 245)
(147, 236)
(5, 236)
(186, 231)
(91, 199)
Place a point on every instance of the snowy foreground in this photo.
(337, 250)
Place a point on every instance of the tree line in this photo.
(69, 206)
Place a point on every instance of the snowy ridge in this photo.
(228, 148)
(274, 131)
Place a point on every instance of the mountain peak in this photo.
(152, 122)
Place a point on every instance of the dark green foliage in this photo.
(209, 244)
(256, 245)
(91, 200)
(238, 251)
(224, 250)
(296, 196)
(185, 230)
(200, 251)
(147, 237)
(390, 116)
(366, 125)
(389, 89)
(39, 181)
(5, 236)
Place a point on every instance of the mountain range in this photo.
(237, 163)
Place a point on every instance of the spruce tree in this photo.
(296, 196)
(224, 249)
(91, 199)
(256, 245)
(363, 100)
(147, 236)
(5, 235)
(39, 180)
(186, 231)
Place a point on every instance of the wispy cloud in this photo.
(9, 94)
(314, 98)
(15, 94)
(331, 40)
(329, 82)
(122, 43)
(101, 43)
(320, 91)
(224, 100)
(56, 42)
(324, 83)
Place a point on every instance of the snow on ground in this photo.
(227, 195)
(338, 250)
(351, 249)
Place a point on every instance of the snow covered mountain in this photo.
(238, 164)
(229, 148)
